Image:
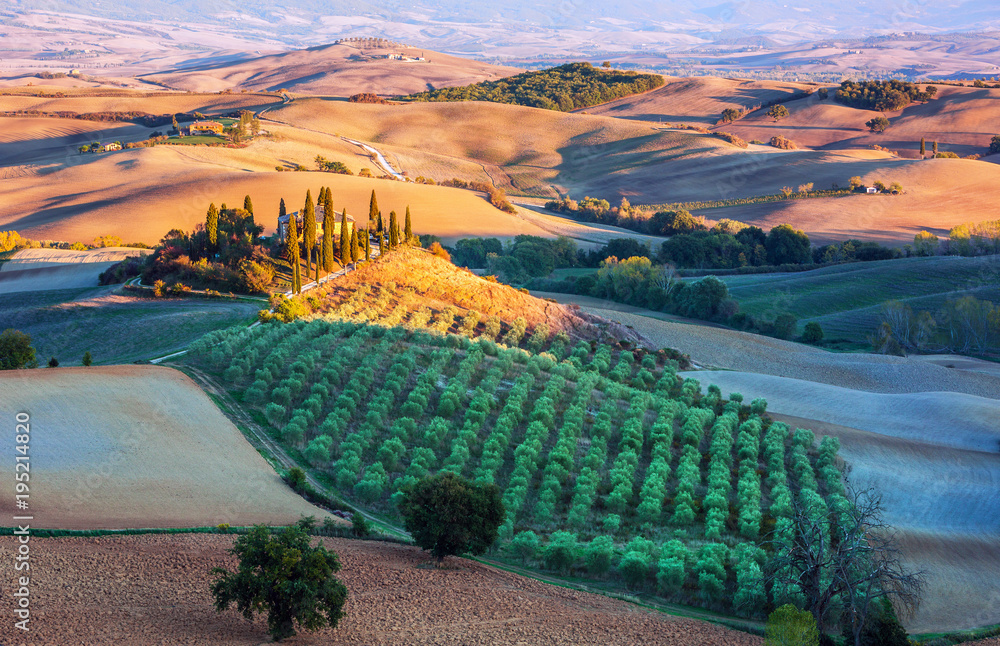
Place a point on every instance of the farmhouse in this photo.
(206, 126)
(283, 224)
(871, 190)
(114, 145)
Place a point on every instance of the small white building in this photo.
(871, 190)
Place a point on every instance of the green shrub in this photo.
(789, 626)
(813, 333)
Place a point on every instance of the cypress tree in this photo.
(248, 205)
(372, 207)
(408, 231)
(923, 147)
(292, 253)
(354, 245)
(935, 148)
(368, 246)
(345, 240)
(393, 230)
(212, 227)
(328, 225)
(308, 230)
(381, 227)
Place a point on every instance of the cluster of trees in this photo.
(969, 239)
(367, 97)
(16, 352)
(882, 95)
(566, 87)
(964, 324)
(324, 164)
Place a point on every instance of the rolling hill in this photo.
(340, 69)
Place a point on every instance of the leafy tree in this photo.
(925, 243)
(786, 244)
(360, 525)
(994, 145)
(296, 476)
(778, 112)
(525, 545)
(283, 575)
(731, 114)
(813, 333)
(212, 225)
(87, 359)
(447, 514)
(634, 568)
(877, 124)
(16, 351)
(789, 626)
(855, 183)
(666, 223)
(880, 628)
(560, 553)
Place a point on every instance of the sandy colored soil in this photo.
(752, 353)
(83, 102)
(27, 140)
(143, 193)
(699, 100)
(155, 589)
(137, 446)
(335, 70)
(45, 269)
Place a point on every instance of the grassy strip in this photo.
(745, 201)
(958, 637)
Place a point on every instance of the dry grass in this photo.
(409, 285)
(85, 101)
(331, 71)
(45, 269)
(137, 446)
(159, 587)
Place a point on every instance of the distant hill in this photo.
(340, 69)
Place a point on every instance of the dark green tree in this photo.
(787, 245)
(995, 145)
(934, 148)
(292, 252)
(447, 514)
(355, 252)
(329, 218)
(53, 362)
(778, 112)
(731, 114)
(813, 333)
(789, 626)
(923, 147)
(286, 577)
(212, 226)
(368, 246)
(372, 207)
(16, 351)
(308, 230)
(87, 359)
(878, 124)
(881, 627)
(248, 205)
(345, 240)
(393, 230)
(381, 226)
(408, 227)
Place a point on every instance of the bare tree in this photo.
(851, 556)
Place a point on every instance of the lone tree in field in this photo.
(730, 114)
(212, 225)
(283, 575)
(308, 230)
(447, 514)
(854, 560)
(878, 124)
(16, 351)
(87, 359)
(995, 145)
(778, 112)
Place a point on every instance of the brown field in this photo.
(335, 70)
(44, 269)
(87, 592)
(408, 280)
(86, 101)
(137, 447)
(961, 119)
(141, 194)
(699, 100)
(26, 141)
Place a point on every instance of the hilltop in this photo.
(341, 69)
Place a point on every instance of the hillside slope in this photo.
(341, 69)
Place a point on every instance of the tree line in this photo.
(882, 95)
(565, 88)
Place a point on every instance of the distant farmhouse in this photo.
(871, 190)
(283, 224)
(114, 145)
(404, 58)
(207, 126)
